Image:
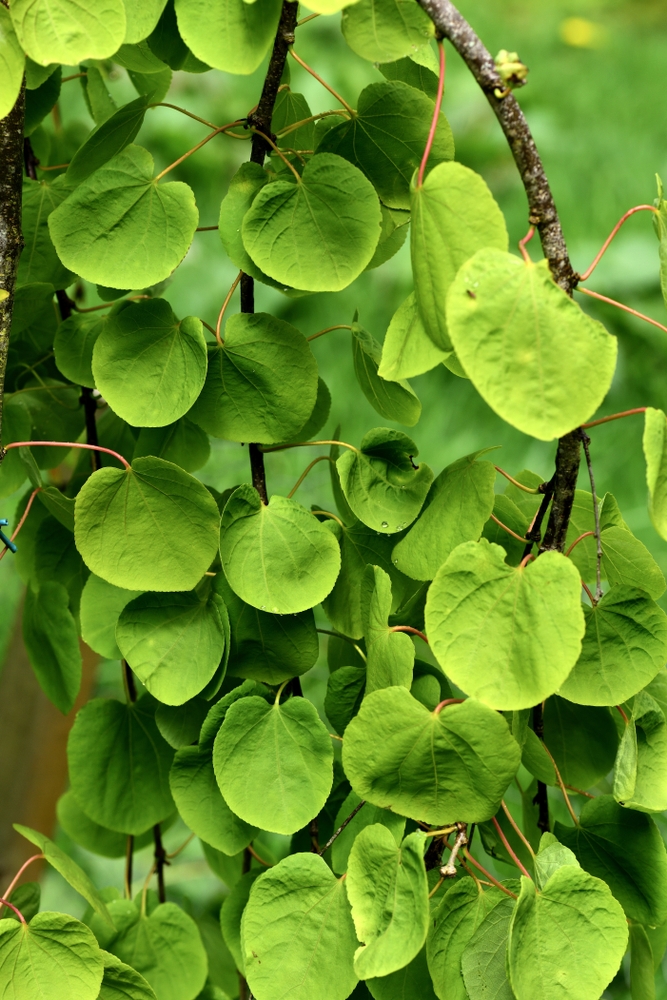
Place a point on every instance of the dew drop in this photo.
(263, 607)
(385, 524)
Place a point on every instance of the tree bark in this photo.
(11, 237)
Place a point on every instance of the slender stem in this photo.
(306, 444)
(534, 533)
(586, 534)
(522, 245)
(436, 114)
(526, 559)
(492, 880)
(622, 713)
(175, 107)
(614, 416)
(74, 76)
(346, 638)
(56, 166)
(251, 850)
(319, 79)
(327, 513)
(280, 153)
(517, 829)
(224, 307)
(436, 887)
(12, 885)
(305, 121)
(411, 630)
(585, 440)
(590, 596)
(579, 791)
(67, 444)
(519, 538)
(5, 902)
(22, 521)
(444, 832)
(206, 229)
(211, 135)
(321, 458)
(515, 482)
(562, 787)
(340, 829)
(144, 889)
(448, 701)
(339, 326)
(129, 859)
(107, 305)
(619, 305)
(509, 849)
(605, 246)
(304, 20)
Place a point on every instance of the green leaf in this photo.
(140, 58)
(121, 982)
(318, 234)
(101, 605)
(290, 108)
(387, 889)
(12, 61)
(174, 642)
(123, 229)
(367, 816)
(491, 624)
(532, 354)
(551, 856)
(421, 77)
(58, 505)
(149, 366)
(232, 913)
(393, 400)
(150, 527)
(26, 898)
(637, 876)
(453, 216)
(57, 561)
(384, 30)
(90, 835)
(267, 647)
(248, 180)
(408, 350)
(430, 766)
(360, 546)
(393, 233)
(216, 715)
(111, 137)
(380, 481)
(142, 18)
(297, 932)
(274, 763)
(640, 773)
(63, 31)
(458, 916)
(166, 43)
(56, 415)
(261, 384)
(642, 977)
(179, 725)
(70, 871)
(165, 948)
(98, 99)
(387, 136)
(54, 958)
(483, 959)
(233, 36)
(119, 765)
(408, 983)
(391, 655)
(183, 443)
(346, 688)
(15, 427)
(52, 641)
(39, 261)
(73, 346)
(456, 508)
(568, 940)
(623, 649)
(582, 741)
(202, 807)
(39, 102)
(276, 557)
(655, 453)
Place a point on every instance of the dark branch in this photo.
(11, 237)
(586, 441)
(160, 862)
(450, 24)
(565, 483)
(340, 829)
(541, 800)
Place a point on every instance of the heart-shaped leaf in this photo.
(54, 957)
(367, 815)
(121, 228)
(90, 835)
(112, 136)
(12, 61)
(233, 36)
(407, 349)
(391, 655)
(393, 400)
(52, 641)
(39, 261)
(121, 982)
(508, 636)
(64, 31)
(384, 30)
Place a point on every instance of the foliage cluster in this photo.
(462, 654)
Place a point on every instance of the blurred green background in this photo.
(597, 103)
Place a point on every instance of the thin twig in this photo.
(206, 229)
(492, 880)
(129, 852)
(628, 214)
(21, 522)
(67, 444)
(508, 847)
(619, 305)
(522, 245)
(596, 511)
(304, 20)
(590, 596)
(586, 534)
(224, 307)
(346, 638)
(327, 513)
(320, 458)
(562, 786)
(449, 870)
(515, 482)
(579, 791)
(339, 326)
(12, 885)
(340, 829)
(448, 701)
(517, 829)
(280, 153)
(5, 902)
(251, 850)
(519, 538)
(305, 444)
(175, 107)
(411, 630)
(436, 113)
(211, 135)
(614, 416)
(319, 79)
(74, 76)
(622, 714)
